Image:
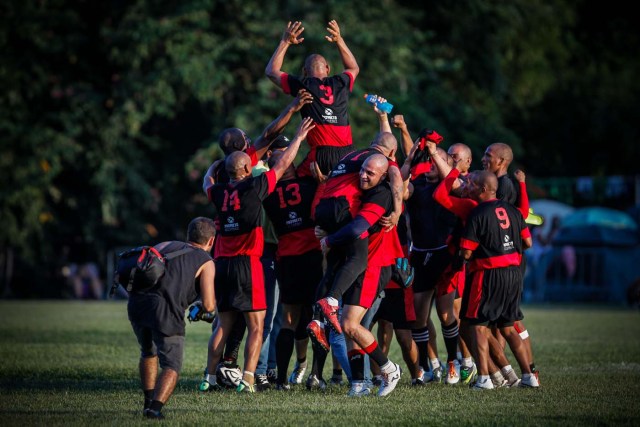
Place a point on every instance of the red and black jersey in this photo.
(328, 109)
(494, 231)
(239, 206)
(289, 208)
(384, 247)
(429, 221)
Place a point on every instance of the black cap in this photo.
(280, 142)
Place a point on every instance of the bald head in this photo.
(373, 171)
(238, 165)
(461, 154)
(316, 66)
(482, 185)
(497, 158)
(233, 139)
(386, 143)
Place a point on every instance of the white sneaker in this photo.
(529, 380)
(453, 373)
(358, 389)
(390, 381)
(486, 385)
(297, 375)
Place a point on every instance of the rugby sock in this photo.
(356, 362)
(156, 405)
(337, 372)
(467, 362)
(373, 350)
(211, 379)
(497, 379)
(450, 334)
(248, 377)
(284, 350)
(521, 330)
(421, 338)
(148, 397)
(435, 363)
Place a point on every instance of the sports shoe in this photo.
(390, 381)
(436, 374)
(336, 379)
(283, 387)
(154, 415)
(272, 376)
(313, 382)
(316, 332)
(208, 383)
(467, 374)
(453, 376)
(512, 379)
(297, 375)
(486, 385)
(245, 387)
(330, 313)
(228, 375)
(498, 380)
(262, 383)
(358, 389)
(536, 374)
(376, 380)
(529, 381)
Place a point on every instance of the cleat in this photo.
(283, 387)
(390, 381)
(272, 375)
(452, 377)
(512, 379)
(336, 379)
(313, 382)
(376, 380)
(317, 334)
(468, 374)
(486, 385)
(358, 389)
(208, 383)
(330, 313)
(436, 375)
(536, 374)
(528, 381)
(245, 387)
(297, 375)
(153, 415)
(262, 383)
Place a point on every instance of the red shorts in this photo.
(451, 281)
(368, 286)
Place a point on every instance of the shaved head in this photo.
(237, 164)
(482, 185)
(386, 143)
(233, 139)
(461, 154)
(373, 171)
(497, 158)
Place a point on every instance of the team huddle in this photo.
(345, 239)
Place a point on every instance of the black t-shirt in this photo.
(507, 190)
(289, 206)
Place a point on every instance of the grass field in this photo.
(75, 363)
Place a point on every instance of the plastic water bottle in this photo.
(382, 106)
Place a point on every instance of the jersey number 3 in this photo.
(328, 94)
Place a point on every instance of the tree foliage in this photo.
(109, 112)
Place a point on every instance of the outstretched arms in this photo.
(290, 36)
(290, 153)
(348, 60)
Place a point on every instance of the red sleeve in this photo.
(371, 212)
(459, 206)
(271, 180)
(468, 244)
(284, 83)
(525, 233)
(351, 80)
(253, 154)
(524, 200)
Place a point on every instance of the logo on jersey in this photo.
(231, 225)
(329, 116)
(338, 170)
(294, 220)
(508, 244)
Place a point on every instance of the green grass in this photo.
(75, 363)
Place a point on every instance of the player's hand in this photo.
(292, 33)
(319, 232)
(520, 175)
(432, 148)
(305, 126)
(388, 222)
(317, 173)
(334, 32)
(375, 106)
(324, 245)
(303, 98)
(398, 122)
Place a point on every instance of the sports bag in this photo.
(139, 269)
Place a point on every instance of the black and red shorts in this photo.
(298, 277)
(429, 267)
(451, 281)
(326, 156)
(239, 284)
(397, 307)
(368, 286)
(492, 297)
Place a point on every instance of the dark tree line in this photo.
(109, 111)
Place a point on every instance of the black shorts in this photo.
(326, 156)
(429, 266)
(492, 297)
(397, 307)
(170, 350)
(298, 277)
(239, 284)
(332, 213)
(368, 286)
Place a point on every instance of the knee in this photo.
(350, 327)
